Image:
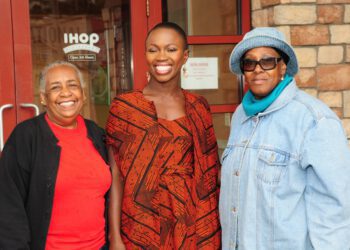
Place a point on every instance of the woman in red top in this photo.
(164, 157)
(54, 173)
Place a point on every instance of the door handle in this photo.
(31, 105)
(2, 108)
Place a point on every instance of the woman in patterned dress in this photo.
(164, 157)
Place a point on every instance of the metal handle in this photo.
(31, 105)
(2, 108)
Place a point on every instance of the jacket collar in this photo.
(285, 97)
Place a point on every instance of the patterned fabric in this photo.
(170, 171)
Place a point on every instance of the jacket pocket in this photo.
(271, 165)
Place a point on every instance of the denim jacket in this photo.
(285, 180)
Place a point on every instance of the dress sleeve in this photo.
(115, 128)
(112, 124)
(14, 225)
(326, 159)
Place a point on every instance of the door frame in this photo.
(7, 76)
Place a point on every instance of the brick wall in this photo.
(319, 30)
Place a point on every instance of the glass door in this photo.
(95, 36)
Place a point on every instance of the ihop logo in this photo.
(81, 41)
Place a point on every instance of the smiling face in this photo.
(63, 97)
(165, 55)
(261, 82)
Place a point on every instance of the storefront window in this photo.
(94, 35)
(203, 17)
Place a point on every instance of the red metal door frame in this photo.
(7, 80)
(144, 15)
(22, 58)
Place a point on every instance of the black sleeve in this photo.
(14, 225)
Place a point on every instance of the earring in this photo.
(185, 72)
(282, 78)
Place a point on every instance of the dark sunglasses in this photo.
(264, 63)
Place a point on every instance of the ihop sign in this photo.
(82, 41)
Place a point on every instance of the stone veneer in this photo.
(319, 30)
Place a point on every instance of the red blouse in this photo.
(77, 219)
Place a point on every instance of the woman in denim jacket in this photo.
(285, 179)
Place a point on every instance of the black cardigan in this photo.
(28, 170)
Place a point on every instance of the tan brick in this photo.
(310, 35)
(346, 125)
(266, 3)
(303, 1)
(306, 57)
(346, 97)
(330, 13)
(340, 33)
(271, 16)
(306, 78)
(347, 14)
(332, 1)
(312, 92)
(260, 18)
(255, 4)
(294, 14)
(333, 77)
(347, 59)
(338, 112)
(286, 31)
(330, 54)
(332, 98)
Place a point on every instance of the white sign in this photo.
(81, 41)
(200, 73)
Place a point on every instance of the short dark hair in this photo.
(173, 26)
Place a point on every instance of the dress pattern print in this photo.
(169, 199)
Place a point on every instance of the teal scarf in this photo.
(252, 106)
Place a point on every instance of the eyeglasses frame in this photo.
(277, 60)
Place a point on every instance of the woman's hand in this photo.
(117, 245)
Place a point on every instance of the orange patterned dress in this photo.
(170, 170)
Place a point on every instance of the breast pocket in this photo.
(271, 165)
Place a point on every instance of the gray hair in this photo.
(42, 79)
